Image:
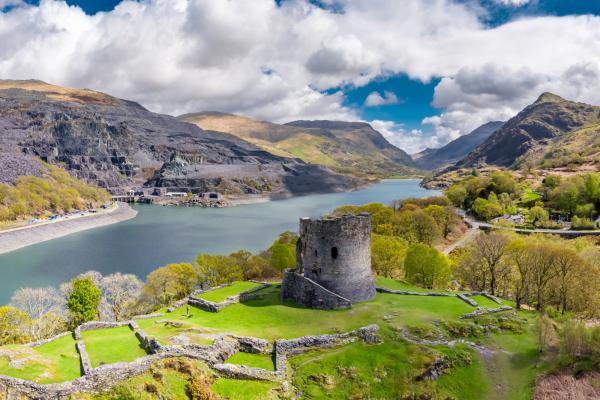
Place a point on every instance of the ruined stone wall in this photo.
(308, 293)
(336, 254)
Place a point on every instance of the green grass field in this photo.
(264, 361)
(483, 301)
(221, 294)
(357, 369)
(57, 361)
(107, 346)
(269, 318)
(235, 389)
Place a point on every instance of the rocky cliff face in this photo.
(118, 144)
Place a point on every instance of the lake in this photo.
(161, 235)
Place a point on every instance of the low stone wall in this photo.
(84, 358)
(211, 306)
(148, 316)
(484, 311)
(48, 340)
(244, 372)
(252, 293)
(93, 325)
(467, 300)
(105, 376)
(286, 347)
(203, 304)
(410, 293)
(308, 293)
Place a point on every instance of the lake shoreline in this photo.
(17, 238)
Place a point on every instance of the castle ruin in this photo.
(333, 263)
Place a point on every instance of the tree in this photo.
(537, 214)
(416, 227)
(519, 255)
(169, 283)
(457, 194)
(387, 255)
(503, 182)
(542, 269)
(39, 301)
(283, 256)
(119, 294)
(565, 197)
(545, 330)
(14, 325)
(83, 301)
(445, 218)
(427, 267)
(490, 251)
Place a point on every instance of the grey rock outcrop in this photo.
(118, 144)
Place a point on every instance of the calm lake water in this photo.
(161, 235)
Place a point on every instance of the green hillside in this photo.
(346, 147)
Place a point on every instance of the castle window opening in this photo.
(334, 252)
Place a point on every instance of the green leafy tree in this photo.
(445, 218)
(457, 194)
(538, 214)
(427, 267)
(168, 283)
(387, 255)
(83, 301)
(283, 256)
(416, 227)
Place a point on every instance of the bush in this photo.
(582, 223)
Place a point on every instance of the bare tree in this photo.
(39, 301)
(119, 293)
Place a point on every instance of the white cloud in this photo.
(514, 3)
(412, 141)
(275, 63)
(374, 99)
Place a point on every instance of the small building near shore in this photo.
(211, 196)
(176, 194)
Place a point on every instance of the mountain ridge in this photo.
(456, 149)
(346, 147)
(118, 144)
(538, 124)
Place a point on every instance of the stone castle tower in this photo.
(333, 263)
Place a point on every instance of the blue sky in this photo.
(421, 71)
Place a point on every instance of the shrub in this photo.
(582, 223)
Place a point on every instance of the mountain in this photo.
(548, 132)
(455, 150)
(118, 144)
(347, 147)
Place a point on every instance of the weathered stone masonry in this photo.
(333, 265)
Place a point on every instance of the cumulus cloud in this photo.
(285, 62)
(410, 140)
(514, 3)
(374, 99)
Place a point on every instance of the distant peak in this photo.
(548, 97)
